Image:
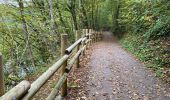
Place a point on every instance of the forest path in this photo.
(114, 74)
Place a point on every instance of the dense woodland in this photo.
(30, 31)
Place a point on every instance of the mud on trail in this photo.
(108, 72)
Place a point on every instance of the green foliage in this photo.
(146, 28)
(30, 31)
(153, 53)
(108, 11)
(159, 29)
(149, 17)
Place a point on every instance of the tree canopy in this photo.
(30, 29)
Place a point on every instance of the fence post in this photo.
(84, 42)
(91, 36)
(84, 33)
(95, 36)
(87, 31)
(93, 32)
(98, 36)
(87, 35)
(101, 34)
(64, 44)
(2, 84)
(78, 34)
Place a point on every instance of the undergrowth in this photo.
(154, 53)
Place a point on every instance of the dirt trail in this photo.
(114, 74)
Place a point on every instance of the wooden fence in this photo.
(25, 91)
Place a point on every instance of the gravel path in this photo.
(114, 74)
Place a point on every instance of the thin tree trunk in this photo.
(96, 18)
(61, 18)
(92, 20)
(116, 16)
(25, 30)
(71, 7)
(53, 23)
(85, 19)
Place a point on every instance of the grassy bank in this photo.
(155, 53)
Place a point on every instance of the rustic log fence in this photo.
(25, 91)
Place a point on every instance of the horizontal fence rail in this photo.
(69, 49)
(25, 91)
(17, 92)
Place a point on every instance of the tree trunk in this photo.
(96, 17)
(53, 23)
(85, 19)
(71, 5)
(116, 16)
(61, 18)
(92, 15)
(26, 33)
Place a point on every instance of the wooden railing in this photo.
(25, 91)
